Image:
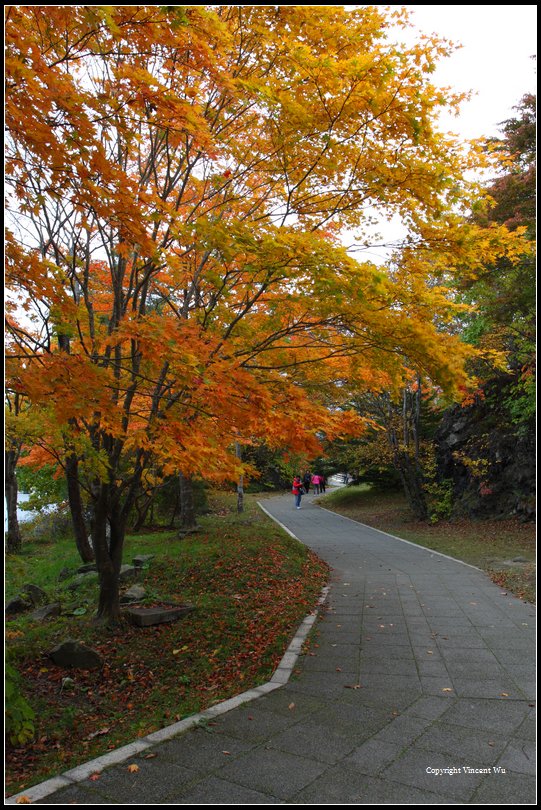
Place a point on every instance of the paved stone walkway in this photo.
(418, 689)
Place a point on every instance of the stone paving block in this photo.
(428, 652)
(379, 640)
(274, 772)
(463, 744)
(508, 788)
(387, 653)
(217, 791)
(488, 687)
(395, 666)
(76, 794)
(391, 681)
(202, 750)
(437, 669)
(323, 743)
(150, 785)
(323, 684)
(420, 769)
(346, 785)
(252, 724)
(460, 655)
(372, 756)
(290, 703)
(527, 730)
(519, 757)
(499, 716)
(403, 730)
(475, 669)
(391, 699)
(510, 640)
(328, 664)
(438, 685)
(360, 721)
(468, 641)
(429, 707)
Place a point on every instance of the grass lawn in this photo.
(251, 585)
(484, 543)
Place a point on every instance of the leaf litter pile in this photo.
(251, 587)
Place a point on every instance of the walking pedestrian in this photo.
(306, 481)
(298, 490)
(315, 483)
(322, 484)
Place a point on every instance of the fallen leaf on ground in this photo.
(352, 686)
(23, 800)
(150, 756)
(446, 689)
(291, 706)
(98, 733)
(133, 768)
(94, 777)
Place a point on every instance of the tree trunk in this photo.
(13, 538)
(108, 560)
(412, 481)
(142, 513)
(76, 508)
(240, 485)
(188, 521)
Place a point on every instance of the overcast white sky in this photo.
(494, 63)
(495, 60)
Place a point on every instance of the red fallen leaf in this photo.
(338, 669)
(352, 686)
(94, 777)
(227, 753)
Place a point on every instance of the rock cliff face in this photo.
(490, 462)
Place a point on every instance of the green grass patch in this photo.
(483, 543)
(251, 585)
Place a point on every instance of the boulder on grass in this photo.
(128, 573)
(142, 559)
(76, 655)
(34, 593)
(133, 594)
(47, 611)
(148, 616)
(18, 605)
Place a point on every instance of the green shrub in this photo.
(19, 714)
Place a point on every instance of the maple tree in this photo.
(180, 179)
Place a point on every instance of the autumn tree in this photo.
(12, 452)
(179, 178)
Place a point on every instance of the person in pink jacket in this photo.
(315, 484)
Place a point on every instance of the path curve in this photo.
(418, 689)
